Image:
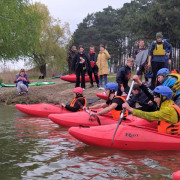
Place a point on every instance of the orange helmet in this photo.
(78, 90)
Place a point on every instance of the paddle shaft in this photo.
(122, 113)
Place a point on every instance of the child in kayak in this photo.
(22, 82)
(113, 104)
(78, 102)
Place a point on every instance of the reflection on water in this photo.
(36, 148)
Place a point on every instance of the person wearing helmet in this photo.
(167, 113)
(113, 104)
(161, 74)
(172, 81)
(78, 102)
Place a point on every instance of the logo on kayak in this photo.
(131, 135)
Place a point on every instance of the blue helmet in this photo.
(164, 91)
(112, 86)
(163, 72)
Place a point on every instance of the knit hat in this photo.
(159, 35)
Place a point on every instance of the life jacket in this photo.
(75, 99)
(159, 49)
(167, 128)
(176, 86)
(174, 71)
(116, 113)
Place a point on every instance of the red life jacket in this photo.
(116, 113)
(167, 128)
(74, 101)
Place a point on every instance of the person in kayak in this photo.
(78, 102)
(113, 104)
(167, 113)
(22, 82)
(123, 76)
(165, 78)
(161, 74)
(139, 100)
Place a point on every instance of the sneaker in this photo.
(101, 88)
(91, 86)
(83, 89)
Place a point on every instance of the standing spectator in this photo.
(93, 59)
(142, 68)
(157, 55)
(22, 82)
(70, 57)
(123, 76)
(102, 63)
(80, 64)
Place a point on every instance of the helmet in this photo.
(164, 91)
(111, 86)
(78, 90)
(163, 72)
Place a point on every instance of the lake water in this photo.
(36, 148)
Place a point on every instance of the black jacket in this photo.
(92, 57)
(140, 98)
(123, 75)
(76, 62)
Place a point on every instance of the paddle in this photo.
(95, 116)
(140, 59)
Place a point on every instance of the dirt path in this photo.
(61, 92)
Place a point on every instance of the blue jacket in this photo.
(166, 46)
(25, 82)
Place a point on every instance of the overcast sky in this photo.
(74, 11)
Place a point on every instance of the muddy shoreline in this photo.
(58, 93)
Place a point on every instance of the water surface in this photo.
(36, 148)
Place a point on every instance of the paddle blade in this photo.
(141, 57)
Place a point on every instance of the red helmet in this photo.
(78, 90)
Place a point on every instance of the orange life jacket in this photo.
(167, 128)
(174, 71)
(116, 113)
(75, 99)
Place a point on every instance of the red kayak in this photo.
(103, 96)
(128, 137)
(176, 175)
(81, 118)
(42, 110)
(72, 78)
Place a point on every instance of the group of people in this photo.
(93, 63)
(159, 102)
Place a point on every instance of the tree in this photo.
(52, 41)
(19, 30)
